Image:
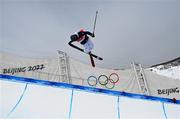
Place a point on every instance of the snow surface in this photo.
(54, 103)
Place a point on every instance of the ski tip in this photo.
(99, 58)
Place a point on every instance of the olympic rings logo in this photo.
(108, 82)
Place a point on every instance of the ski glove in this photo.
(93, 35)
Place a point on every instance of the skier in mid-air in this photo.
(82, 36)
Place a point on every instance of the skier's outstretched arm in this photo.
(74, 46)
(70, 42)
(89, 33)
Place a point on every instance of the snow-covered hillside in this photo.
(173, 72)
(170, 68)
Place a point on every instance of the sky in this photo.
(145, 31)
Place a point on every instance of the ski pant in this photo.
(88, 46)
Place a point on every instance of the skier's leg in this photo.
(91, 45)
(88, 46)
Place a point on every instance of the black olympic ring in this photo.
(108, 82)
(102, 81)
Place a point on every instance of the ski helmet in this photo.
(81, 30)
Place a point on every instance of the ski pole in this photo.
(95, 22)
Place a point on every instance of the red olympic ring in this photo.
(111, 80)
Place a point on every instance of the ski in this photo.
(92, 60)
(93, 55)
